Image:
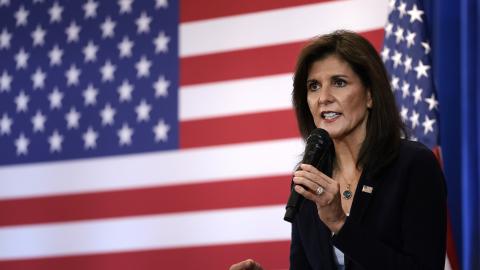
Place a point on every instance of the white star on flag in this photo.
(22, 143)
(385, 54)
(55, 141)
(55, 56)
(73, 118)
(402, 9)
(143, 111)
(90, 138)
(21, 16)
(405, 89)
(55, 13)
(108, 71)
(143, 23)
(428, 124)
(22, 102)
(143, 67)
(5, 81)
(415, 14)
(90, 9)
(73, 32)
(90, 52)
(161, 87)
(421, 69)
(404, 114)
(125, 6)
(125, 47)
(90, 95)
(432, 102)
(125, 135)
(399, 34)
(4, 3)
(397, 59)
(414, 119)
(125, 91)
(38, 122)
(38, 36)
(21, 58)
(161, 3)
(410, 38)
(5, 124)
(107, 114)
(73, 75)
(108, 28)
(161, 43)
(38, 79)
(5, 38)
(55, 98)
(407, 64)
(161, 131)
(417, 94)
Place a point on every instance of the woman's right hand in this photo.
(246, 265)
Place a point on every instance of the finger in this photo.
(305, 193)
(256, 266)
(305, 183)
(311, 169)
(246, 265)
(241, 266)
(315, 178)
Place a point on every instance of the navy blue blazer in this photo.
(401, 224)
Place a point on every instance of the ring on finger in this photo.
(319, 191)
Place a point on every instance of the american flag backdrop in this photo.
(407, 54)
(156, 134)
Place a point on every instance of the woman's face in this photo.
(337, 99)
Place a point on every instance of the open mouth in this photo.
(328, 115)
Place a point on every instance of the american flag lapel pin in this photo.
(367, 189)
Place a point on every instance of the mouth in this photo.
(329, 115)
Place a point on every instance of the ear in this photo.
(369, 99)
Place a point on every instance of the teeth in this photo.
(330, 115)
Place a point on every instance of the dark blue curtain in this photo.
(455, 30)
(470, 110)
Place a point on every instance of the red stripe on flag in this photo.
(192, 10)
(272, 255)
(238, 128)
(451, 250)
(203, 196)
(247, 63)
(240, 64)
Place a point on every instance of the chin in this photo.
(334, 133)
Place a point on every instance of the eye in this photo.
(339, 83)
(313, 86)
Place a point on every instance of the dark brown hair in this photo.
(384, 125)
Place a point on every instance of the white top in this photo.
(339, 259)
(339, 256)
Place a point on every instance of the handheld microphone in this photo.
(316, 149)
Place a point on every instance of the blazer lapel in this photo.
(365, 190)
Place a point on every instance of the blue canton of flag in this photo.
(407, 57)
(87, 78)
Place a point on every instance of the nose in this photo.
(324, 96)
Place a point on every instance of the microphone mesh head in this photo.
(319, 136)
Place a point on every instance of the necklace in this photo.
(347, 194)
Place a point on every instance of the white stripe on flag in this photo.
(234, 97)
(279, 26)
(200, 165)
(244, 225)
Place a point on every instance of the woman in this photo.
(383, 203)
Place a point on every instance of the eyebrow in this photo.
(336, 76)
(339, 76)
